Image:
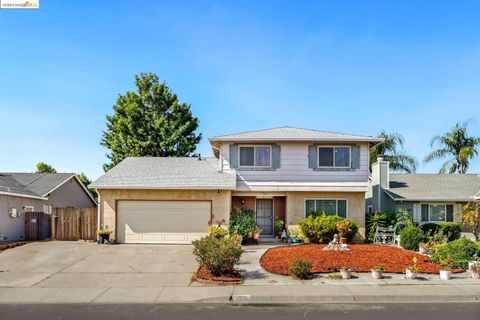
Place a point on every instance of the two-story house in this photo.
(281, 173)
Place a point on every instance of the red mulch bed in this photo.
(203, 275)
(360, 258)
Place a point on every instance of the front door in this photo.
(265, 216)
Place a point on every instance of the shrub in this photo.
(300, 269)
(460, 251)
(410, 237)
(374, 220)
(296, 233)
(452, 230)
(217, 231)
(320, 229)
(217, 255)
(347, 228)
(242, 222)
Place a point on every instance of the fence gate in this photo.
(37, 226)
(74, 224)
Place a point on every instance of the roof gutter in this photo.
(21, 195)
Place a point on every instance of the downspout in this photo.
(98, 211)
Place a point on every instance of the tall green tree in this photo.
(392, 150)
(150, 121)
(86, 182)
(42, 167)
(457, 146)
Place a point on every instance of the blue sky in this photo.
(350, 66)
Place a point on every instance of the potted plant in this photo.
(279, 226)
(343, 228)
(104, 235)
(346, 272)
(475, 270)
(413, 270)
(445, 269)
(256, 233)
(422, 248)
(377, 271)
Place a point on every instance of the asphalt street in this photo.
(339, 311)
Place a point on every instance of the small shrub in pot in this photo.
(445, 269)
(413, 270)
(475, 270)
(346, 272)
(300, 269)
(377, 271)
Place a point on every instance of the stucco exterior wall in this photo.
(355, 205)
(14, 228)
(221, 201)
(70, 194)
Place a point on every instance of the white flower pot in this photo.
(471, 263)
(475, 274)
(445, 274)
(410, 274)
(346, 274)
(377, 274)
(422, 250)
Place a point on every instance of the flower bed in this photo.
(203, 275)
(361, 258)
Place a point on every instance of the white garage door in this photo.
(162, 221)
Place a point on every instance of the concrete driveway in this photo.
(71, 264)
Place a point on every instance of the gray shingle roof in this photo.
(433, 187)
(166, 173)
(33, 184)
(294, 134)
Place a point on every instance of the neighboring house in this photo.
(281, 173)
(427, 197)
(23, 192)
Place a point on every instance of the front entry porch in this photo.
(267, 209)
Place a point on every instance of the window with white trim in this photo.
(255, 156)
(327, 206)
(437, 212)
(334, 156)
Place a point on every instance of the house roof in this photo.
(290, 134)
(166, 173)
(41, 183)
(433, 187)
(35, 185)
(296, 134)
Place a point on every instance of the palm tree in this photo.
(392, 150)
(457, 146)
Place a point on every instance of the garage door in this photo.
(162, 221)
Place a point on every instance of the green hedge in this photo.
(322, 228)
(460, 251)
(452, 230)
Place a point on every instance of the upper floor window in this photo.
(334, 156)
(255, 156)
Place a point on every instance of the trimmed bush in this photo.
(452, 230)
(460, 251)
(219, 255)
(300, 269)
(320, 229)
(242, 222)
(410, 237)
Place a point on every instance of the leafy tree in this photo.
(150, 122)
(86, 182)
(42, 167)
(470, 215)
(392, 150)
(458, 146)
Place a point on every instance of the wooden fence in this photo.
(37, 226)
(74, 224)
